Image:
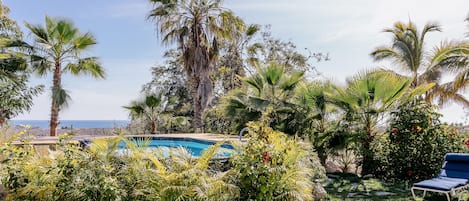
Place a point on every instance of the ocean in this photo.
(73, 123)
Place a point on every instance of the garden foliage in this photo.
(415, 143)
(104, 173)
(273, 166)
(270, 166)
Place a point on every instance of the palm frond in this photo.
(60, 96)
(88, 65)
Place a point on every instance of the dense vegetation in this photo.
(16, 95)
(276, 168)
(223, 76)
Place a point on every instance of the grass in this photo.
(350, 187)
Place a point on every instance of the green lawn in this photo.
(350, 187)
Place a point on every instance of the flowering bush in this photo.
(416, 143)
(274, 166)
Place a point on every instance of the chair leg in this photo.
(413, 194)
(424, 192)
(447, 196)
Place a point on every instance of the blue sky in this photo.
(128, 45)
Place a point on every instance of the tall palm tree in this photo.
(149, 109)
(407, 51)
(365, 100)
(58, 45)
(196, 26)
(272, 90)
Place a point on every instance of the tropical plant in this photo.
(196, 26)
(316, 116)
(170, 81)
(12, 60)
(15, 94)
(366, 99)
(59, 45)
(102, 172)
(273, 166)
(16, 97)
(271, 87)
(416, 142)
(149, 109)
(407, 52)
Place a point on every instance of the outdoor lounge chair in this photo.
(453, 178)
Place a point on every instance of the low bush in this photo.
(104, 173)
(270, 166)
(274, 166)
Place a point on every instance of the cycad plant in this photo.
(270, 87)
(59, 46)
(410, 58)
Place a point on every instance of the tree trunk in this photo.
(54, 111)
(367, 162)
(198, 122)
(153, 127)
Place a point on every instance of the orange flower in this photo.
(394, 130)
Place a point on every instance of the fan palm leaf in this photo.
(58, 45)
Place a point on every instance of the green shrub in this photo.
(270, 166)
(217, 122)
(415, 143)
(104, 173)
(273, 166)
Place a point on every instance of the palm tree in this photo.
(271, 90)
(196, 26)
(365, 100)
(59, 45)
(315, 115)
(149, 109)
(407, 51)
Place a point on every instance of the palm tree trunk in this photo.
(54, 112)
(198, 123)
(367, 163)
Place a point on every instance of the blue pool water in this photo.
(193, 146)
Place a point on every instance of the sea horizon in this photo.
(44, 124)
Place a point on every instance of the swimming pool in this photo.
(165, 144)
